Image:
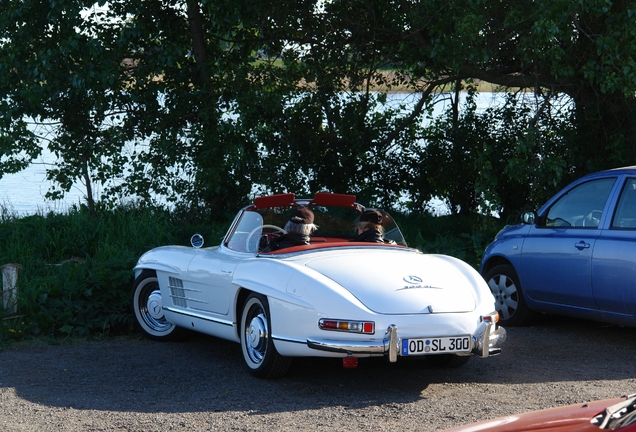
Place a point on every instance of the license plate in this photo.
(440, 345)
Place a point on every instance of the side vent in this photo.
(177, 292)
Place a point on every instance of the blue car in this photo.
(575, 256)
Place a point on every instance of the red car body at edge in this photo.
(617, 415)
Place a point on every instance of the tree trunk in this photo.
(198, 39)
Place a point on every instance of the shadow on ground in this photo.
(206, 374)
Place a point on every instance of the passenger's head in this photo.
(301, 221)
(369, 219)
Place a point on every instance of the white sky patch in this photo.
(95, 13)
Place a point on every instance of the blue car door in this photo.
(614, 257)
(556, 259)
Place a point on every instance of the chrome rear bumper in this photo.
(484, 343)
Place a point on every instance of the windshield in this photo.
(246, 233)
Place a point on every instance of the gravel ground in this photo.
(128, 384)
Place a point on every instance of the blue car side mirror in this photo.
(529, 218)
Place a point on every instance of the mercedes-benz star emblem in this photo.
(412, 279)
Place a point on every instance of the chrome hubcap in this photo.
(256, 338)
(151, 312)
(154, 305)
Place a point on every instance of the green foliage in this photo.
(76, 270)
(463, 237)
(78, 298)
(500, 160)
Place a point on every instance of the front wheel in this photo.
(509, 302)
(259, 354)
(147, 308)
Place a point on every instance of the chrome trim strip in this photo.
(188, 299)
(370, 347)
(200, 316)
(388, 346)
(183, 288)
(284, 339)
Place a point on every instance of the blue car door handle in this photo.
(582, 245)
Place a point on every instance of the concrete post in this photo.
(9, 288)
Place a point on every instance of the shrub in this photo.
(76, 269)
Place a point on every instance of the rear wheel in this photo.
(259, 354)
(509, 302)
(447, 360)
(147, 307)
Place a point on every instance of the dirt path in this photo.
(126, 384)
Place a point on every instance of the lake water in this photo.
(23, 193)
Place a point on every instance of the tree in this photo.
(60, 70)
(221, 98)
(585, 49)
(505, 159)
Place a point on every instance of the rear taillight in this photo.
(492, 317)
(366, 327)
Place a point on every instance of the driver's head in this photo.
(302, 215)
(301, 221)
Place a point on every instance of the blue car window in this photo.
(625, 216)
(582, 206)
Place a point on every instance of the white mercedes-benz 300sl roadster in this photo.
(329, 296)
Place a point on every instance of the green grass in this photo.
(75, 270)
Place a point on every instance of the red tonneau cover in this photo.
(329, 245)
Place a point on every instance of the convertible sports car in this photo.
(332, 298)
(617, 415)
